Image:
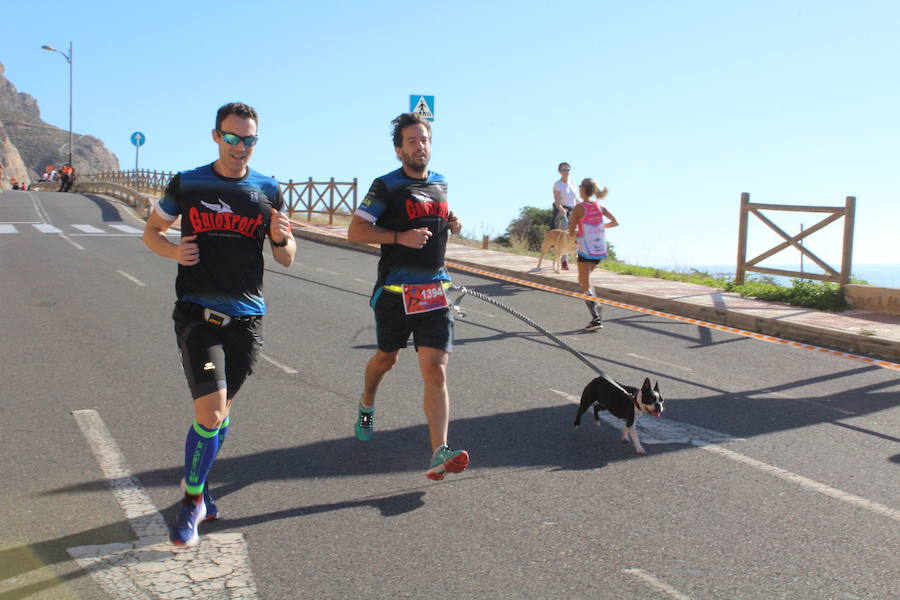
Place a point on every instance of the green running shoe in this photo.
(446, 460)
(365, 424)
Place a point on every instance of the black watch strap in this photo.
(280, 244)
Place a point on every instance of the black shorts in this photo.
(215, 358)
(432, 329)
(593, 261)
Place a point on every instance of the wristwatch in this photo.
(280, 244)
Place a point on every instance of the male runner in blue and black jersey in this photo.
(227, 210)
(406, 212)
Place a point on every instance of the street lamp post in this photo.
(68, 58)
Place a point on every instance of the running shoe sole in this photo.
(457, 464)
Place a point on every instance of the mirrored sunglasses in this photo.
(232, 139)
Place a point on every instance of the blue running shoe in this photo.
(365, 424)
(446, 460)
(184, 530)
(212, 510)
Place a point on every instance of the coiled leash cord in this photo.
(464, 290)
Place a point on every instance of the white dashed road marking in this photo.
(284, 368)
(47, 228)
(127, 228)
(660, 362)
(132, 278)
(88, 228)
(656, 583)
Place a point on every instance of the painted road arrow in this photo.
(661, 431)
(152, 568)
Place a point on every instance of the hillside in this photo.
(27, 143)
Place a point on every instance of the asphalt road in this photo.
(801, 503)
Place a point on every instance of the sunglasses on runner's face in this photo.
(232, 139)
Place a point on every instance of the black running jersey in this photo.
(231, 220)
(398, 202)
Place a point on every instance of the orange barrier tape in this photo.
(885, 364)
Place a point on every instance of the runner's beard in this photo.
(415, 163)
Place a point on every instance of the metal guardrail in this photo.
(311, 197)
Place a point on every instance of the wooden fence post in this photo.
(742, 240)
(331, 202)
(847, 257)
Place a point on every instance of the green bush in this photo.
(528, 229)
(802, 292)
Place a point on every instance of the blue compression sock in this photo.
(200, 449)
(223, 431)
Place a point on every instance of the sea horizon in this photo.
(880, 274)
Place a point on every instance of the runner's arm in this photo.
(574, 218)
(366, 232)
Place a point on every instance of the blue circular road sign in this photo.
(138, 138)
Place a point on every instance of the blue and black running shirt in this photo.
(231, 220)
(398, 202)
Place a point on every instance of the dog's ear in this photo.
(656, 387)
(646, 387)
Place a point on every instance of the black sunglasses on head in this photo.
(233, 139)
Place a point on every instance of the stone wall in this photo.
(874, 298)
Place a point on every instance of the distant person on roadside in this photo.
(406, 211)
(65, 178)
(564, 198)
(587, 223)
(227, 211)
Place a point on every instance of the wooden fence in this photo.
(848, 212)
(311, 197)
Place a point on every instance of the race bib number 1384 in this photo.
(424, 297)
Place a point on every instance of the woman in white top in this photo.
(564, 199)
(587, 221)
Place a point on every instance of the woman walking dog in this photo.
(587, 222)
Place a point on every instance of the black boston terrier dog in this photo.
(624, 402)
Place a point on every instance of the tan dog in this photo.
(561, 242)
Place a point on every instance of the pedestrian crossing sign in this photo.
(422, 106)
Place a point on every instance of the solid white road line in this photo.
(803, 482)
(284, 368)
(131, 278)
(65, 237)
(152, 568)
(656, 584)
(8, 228)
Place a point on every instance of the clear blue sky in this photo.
(677, 107)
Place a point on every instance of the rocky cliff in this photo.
(27, 144)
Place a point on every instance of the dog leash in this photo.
(464, 291)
